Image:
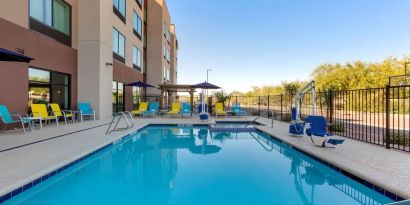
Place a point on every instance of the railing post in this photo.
(268, 108)
(281, 107)
(259, 105)
(387, 137)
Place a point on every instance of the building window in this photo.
(119, 9)
(118, 104)
(136, 97)
(164, 50)
(136, 58)
(118, 45)
(51, 18)
(137, 25)
(49, 87)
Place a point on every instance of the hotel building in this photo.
(85, 51)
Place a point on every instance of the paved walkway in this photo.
(24, 160)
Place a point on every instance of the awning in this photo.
(140, 84)
(7, 55)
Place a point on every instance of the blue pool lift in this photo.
(316, 126)
(203, 116)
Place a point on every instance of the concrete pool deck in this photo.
(24, 158)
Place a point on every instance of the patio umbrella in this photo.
(7, 55)
(141, 85)
(205, 85)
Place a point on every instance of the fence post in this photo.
(331, 109)
(281, 107)
(387, 140)
(268, 108)
(259, 105)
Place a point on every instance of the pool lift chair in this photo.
(316, 126)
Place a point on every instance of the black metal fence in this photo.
(377, 115)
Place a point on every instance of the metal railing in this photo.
(379, 116)
(118, 116)
(261, 115)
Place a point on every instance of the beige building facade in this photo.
(84, 51)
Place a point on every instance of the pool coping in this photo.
(31, 182)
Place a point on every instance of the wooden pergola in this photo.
(169, 89)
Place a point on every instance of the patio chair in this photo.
(143, 108)
(85, 109)
(40, 111)
(175, 109)
(219, 110)
(7, 119)
(153, 109)
(317, 127)
(237, 110)
(186, 109)
(55, 108)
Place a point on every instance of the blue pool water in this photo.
(189, 166)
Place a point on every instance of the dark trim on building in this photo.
(118, 57)
(37, 26)
(118, 14)
(136, 67)
(139, 4)
(137, 34)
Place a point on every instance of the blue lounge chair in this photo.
(317, 127)
(85, 109)
(186, 109)
(236, 108)
(7, 118)
(153, 109)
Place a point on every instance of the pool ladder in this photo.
(117, 118)
(261, 115)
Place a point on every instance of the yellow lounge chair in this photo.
(141, 110)
(55, 108)
(175, 109)
(219, 110)
(40, 111)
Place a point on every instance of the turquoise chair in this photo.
(186, 109)
(85, 109)
(153, 108)
(7, 118)
(236, 108)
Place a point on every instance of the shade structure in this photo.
(206, 85)
(140, 84)
(7, 55)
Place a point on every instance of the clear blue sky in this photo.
(264, 42)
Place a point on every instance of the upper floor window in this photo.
(118, 45)
(119, 8)
(51, 18)
(136, 58)
(137, 25)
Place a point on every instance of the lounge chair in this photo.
(7, 118)
(237, 110)
(40, 111)
(317, 126)
(55, 108)
(85, 109)
(142, 109)
(153, 109)
(219, 110)
(175, 109)
(186, 109)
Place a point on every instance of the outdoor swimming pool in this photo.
(189, 165)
